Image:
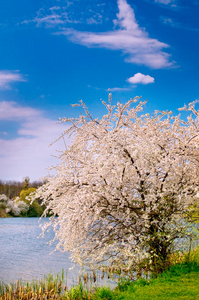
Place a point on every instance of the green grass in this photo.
(181, 281)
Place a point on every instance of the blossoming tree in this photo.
(124, 184)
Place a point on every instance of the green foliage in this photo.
(21, 206)
(193, 213)
(180, 282)
(12, 190)
(77, 293)
(107, 293)
(35, 210)
(2, 205)
(25, 193)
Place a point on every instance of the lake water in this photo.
(23, 255)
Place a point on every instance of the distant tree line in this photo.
(13, 188)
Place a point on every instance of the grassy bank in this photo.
(181, 281)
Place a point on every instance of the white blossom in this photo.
(3, 198)
(123, 185)
(14, 206)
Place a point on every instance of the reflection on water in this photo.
(25, 255)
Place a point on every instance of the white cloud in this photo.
(129, 38)
(54, 16)
(167, 21)
(52, 19)
(55, 8)
(119, 89)
(164, 1)
(171, 22)
(95, 19)
(8, 77)
(57, 16)
(11, 111)
(140, 78)
(28, 154)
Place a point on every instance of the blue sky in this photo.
(55, 52)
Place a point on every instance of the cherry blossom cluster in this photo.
(124, 184)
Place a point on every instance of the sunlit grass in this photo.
(180, 282)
